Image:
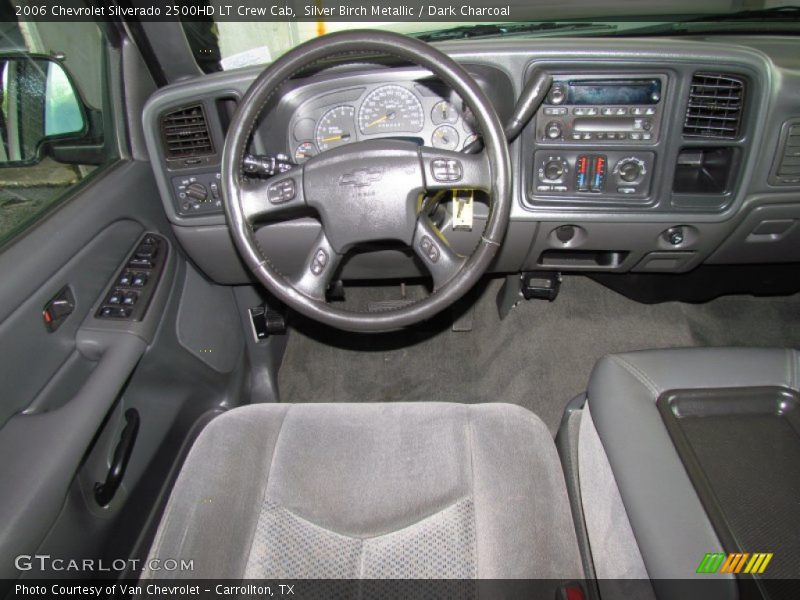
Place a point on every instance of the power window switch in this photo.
(130, 298)
(115, 312)
(115, 297)
(139, 280)
(140, 263)
(125, 279)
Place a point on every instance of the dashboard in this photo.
(648, 155)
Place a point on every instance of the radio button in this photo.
(553, 130)
(650, 110)
(635, 135)
(555, 111)
(544, 188)
(611, 135)
(622, 111)
(647, 136)
(607, 111)
(557, 94)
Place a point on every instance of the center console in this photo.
(592, 135)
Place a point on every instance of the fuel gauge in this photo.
(304, 151)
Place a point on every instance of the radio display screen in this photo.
(614, 92)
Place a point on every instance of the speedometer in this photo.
(391, 108)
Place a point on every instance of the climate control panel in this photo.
(592, 174)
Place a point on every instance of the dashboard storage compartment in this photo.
(704, 170)
(741, 449)
(582, 258)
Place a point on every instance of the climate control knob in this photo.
(630, 170)
(553, 130)
(553, 170)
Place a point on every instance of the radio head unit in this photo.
(604, 92)
(615, 109)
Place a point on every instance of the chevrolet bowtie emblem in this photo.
(361, 177)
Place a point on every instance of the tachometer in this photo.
(391, 108)
(336, 127)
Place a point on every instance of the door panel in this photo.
(59, 387)
(37, 354)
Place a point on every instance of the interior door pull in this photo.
(58, 309)
(104, 492)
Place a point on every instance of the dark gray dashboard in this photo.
(668, 198)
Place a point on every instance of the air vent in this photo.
(715, 107)
(789, 165)
(185, 133)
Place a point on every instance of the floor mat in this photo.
(539, 357)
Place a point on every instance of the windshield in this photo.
(223, 44)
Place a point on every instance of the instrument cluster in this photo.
(407, 110)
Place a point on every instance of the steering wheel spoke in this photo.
(273, 198)
(318, 270)
(447, 170)
(441, 261)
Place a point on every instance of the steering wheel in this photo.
(367, 191)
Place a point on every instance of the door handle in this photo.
(58, 309)
(104, 492)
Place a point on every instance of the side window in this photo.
(53, 103)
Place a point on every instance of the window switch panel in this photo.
(133, 286)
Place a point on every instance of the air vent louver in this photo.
(185, 133)
(789, 167)
(715, 106)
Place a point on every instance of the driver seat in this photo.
(398, 490)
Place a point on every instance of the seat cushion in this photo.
(623, 429)
(401, 490)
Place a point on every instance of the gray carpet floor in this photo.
(539, 357)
